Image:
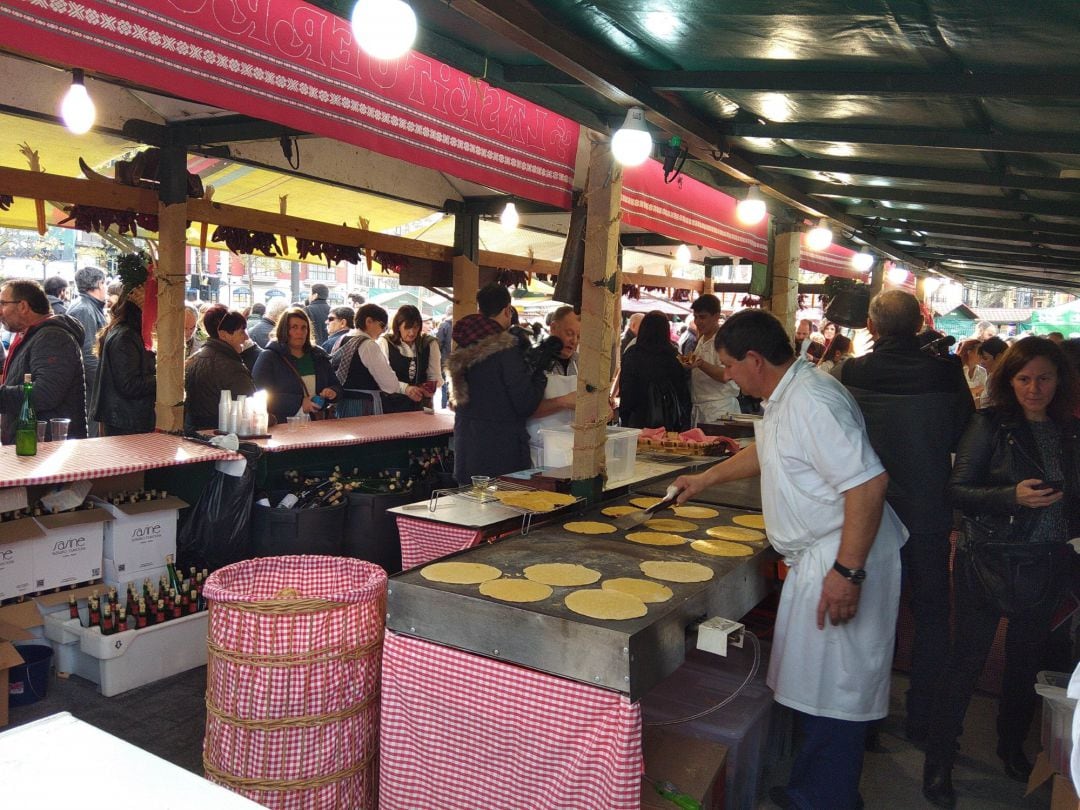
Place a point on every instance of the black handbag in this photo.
(1013, 577)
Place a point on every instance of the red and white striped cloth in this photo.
(460, 732)
(423, 540)
(81, 459)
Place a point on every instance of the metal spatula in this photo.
(637, 518)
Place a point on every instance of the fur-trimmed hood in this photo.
(463, 359)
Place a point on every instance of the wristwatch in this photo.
(853, 575)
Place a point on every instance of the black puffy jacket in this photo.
(127, 383)
(214, 368)
(51, 354)
(998, 452)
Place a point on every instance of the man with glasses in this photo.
(89, 310)
(338, 322)
(48, 348)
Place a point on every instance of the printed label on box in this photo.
(16, 569)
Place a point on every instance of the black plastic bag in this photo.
(218, 530)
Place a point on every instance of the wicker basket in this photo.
(292, 685)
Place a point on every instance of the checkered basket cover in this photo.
(423, 541)
(461, 732)
(292, 689)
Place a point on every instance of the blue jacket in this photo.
(275, 372)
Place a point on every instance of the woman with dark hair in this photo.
(295, 373)
(127, 371)
(414, 357)
(1017, 480)
(654, 386)
(217, 366)
(839, 349)
(974, 373)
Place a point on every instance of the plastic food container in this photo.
(620, 450)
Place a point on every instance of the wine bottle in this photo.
(26, 425)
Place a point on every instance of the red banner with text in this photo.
(294, 64)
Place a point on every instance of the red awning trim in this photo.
(289, 62)
(689, 210)
(833, 261)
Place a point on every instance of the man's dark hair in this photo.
(371, 311)
(88, 278)
(344, 314)
(320, 290)
(55, 286)
(258, 309)
(707, 303)
(993, 346)
(30, 292)
(492, 300)
(896, 313)
(758, 331)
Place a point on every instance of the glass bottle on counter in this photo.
(26, 425)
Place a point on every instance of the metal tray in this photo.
(627, 656)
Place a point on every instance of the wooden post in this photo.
(784, 268)
(171, 279)
(600, 298)
(466, 285)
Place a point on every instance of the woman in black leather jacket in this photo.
(127, 374)
(1017, 480)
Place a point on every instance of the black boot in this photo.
(937, 782)
(1015, 763)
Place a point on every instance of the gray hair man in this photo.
(89, 310)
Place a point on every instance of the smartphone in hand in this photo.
(1054, 485)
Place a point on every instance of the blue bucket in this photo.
(29, 681)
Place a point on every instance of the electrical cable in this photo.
(746, 681)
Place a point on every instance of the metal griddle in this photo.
(742, 494)
(628, 656)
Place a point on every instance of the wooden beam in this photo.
(599, 327)
(171, 281)
(466, 285)
(53, 187)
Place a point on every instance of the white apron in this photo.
(842, 671)
(557, 386)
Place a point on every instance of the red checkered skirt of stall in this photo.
(460, 732)
(292, 691)
(423, 541)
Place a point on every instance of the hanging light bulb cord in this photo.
(674, 158)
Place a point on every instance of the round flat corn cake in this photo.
(588, 527)
(534, 501)
(749, 521)
(645, 502)
(697, 512)
(460, 573)
(597, 603)
(721, 548)
(676, 571)
(561, 574)
(619, 511)
(670, 525)
(515, 590)
(656, 538)
(737, 533)
(644, 589)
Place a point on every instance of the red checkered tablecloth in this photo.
(460, 732)
(81, 459)
(423, 540)
(357, 430)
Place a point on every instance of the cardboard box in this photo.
(17, 539)
(71, 550)
(140, 535)
(694, 767)
(129, 659)
(116, 576)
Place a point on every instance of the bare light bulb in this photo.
(862, 261)
(897, 275)
(751, 210)
(77, 110)
(682, 255)
(820, 236)
(931, 284)
(384, 29)
(509, 217)
(632, 143)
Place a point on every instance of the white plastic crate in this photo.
(1057, 719)
(132, 658)
(620, 451)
